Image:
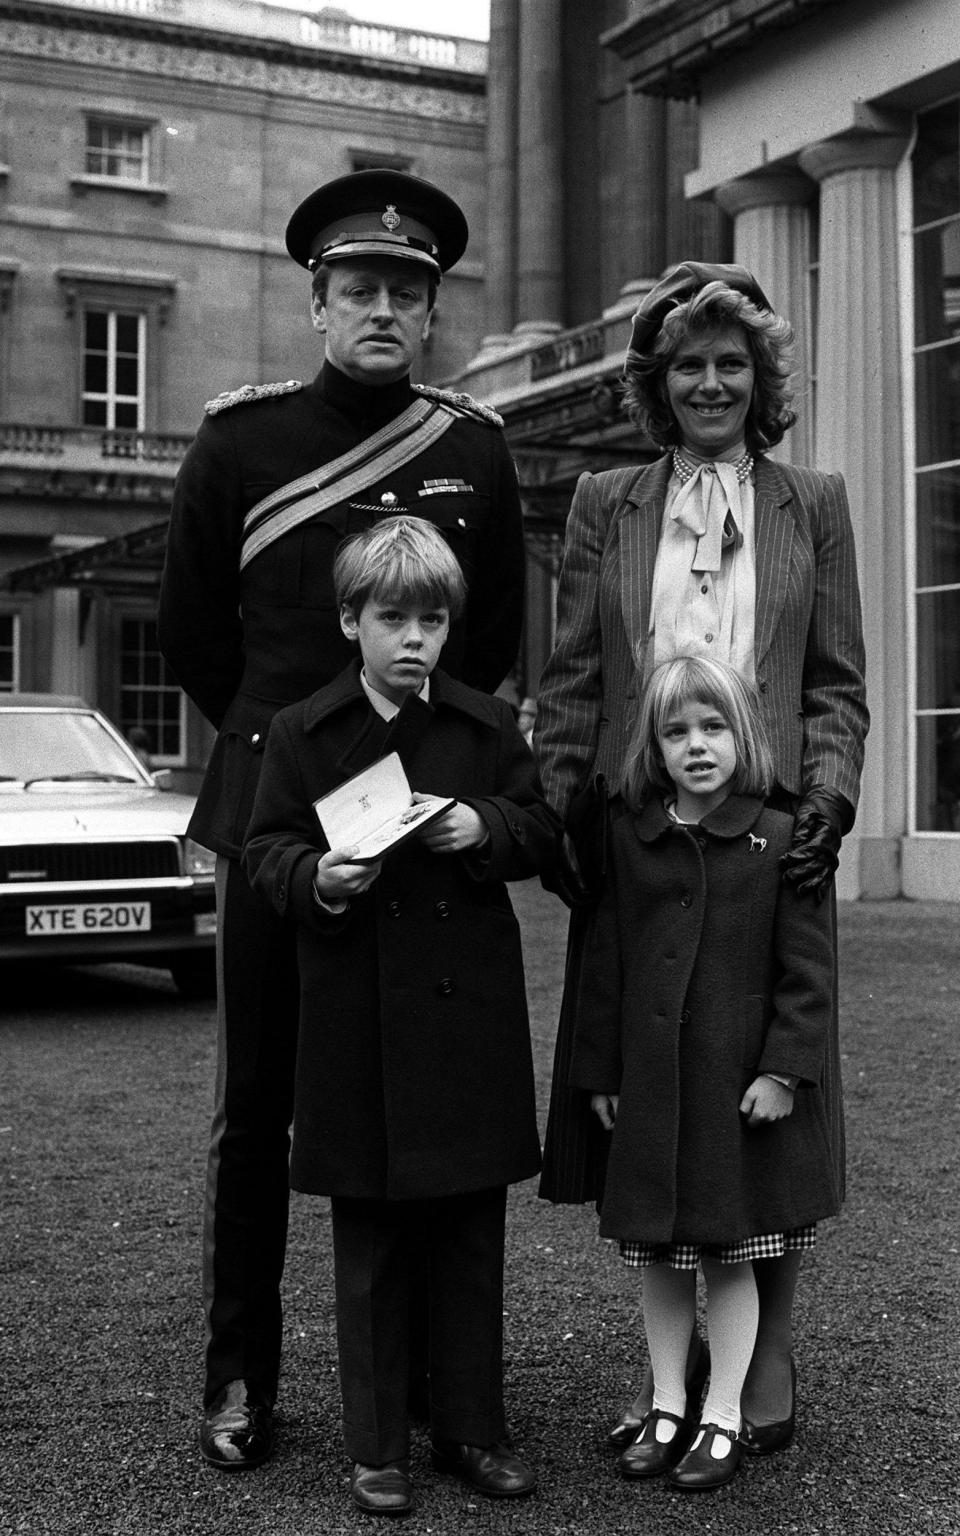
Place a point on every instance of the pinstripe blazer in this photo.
(809, 634)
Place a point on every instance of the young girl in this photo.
(703, 1014)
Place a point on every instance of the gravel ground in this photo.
(104, 1100)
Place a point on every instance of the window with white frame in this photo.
(117, 148)
(936, 263)
(114, 348)
(149, 697)
(9, 652)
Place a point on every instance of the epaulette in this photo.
(465, 404)
(248, 392)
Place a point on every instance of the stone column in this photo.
(644, 222)
(540, 180)
(502, 109)
(771, 238)
(859, 430)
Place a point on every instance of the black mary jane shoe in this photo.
(382, 1490)
(629, 1425)
(493, 1470)
(650, 1457)
(699, 1471)
(237, 1429)
(767, 1439)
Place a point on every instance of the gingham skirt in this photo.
(767, 1245)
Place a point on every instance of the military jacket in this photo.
(244, 643)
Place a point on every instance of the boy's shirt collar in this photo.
(385, 707)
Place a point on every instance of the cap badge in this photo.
(391, 219)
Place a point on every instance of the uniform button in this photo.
(255, 737)
(686, 900)
(388, 499)
(685, 1016)
(282, 891)
(393, 908)
(442, 909)
(446, 987)
(704, 589)
(762, 685)
(708, 637)
(701, 842)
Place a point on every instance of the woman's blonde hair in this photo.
(697, 679)
(400, 559)
(769, 340)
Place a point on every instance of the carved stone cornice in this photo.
(360, 86)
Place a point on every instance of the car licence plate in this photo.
(88, 917)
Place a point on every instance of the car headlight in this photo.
(197, 860)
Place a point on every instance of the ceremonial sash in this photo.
(401, 440)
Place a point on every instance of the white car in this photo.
(95, 861)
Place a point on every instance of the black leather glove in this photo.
(578, 876)
(810, 863)
(565, 878)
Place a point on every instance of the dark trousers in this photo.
(380, 1250)
(245, 1226)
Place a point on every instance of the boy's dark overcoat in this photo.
(706, 970)
(414, 1071)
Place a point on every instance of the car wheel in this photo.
(195, 974)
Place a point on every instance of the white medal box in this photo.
(375, 810)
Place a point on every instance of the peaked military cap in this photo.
(378, 213)
(678, 284)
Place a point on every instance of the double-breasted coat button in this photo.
(446, 987)
(393, 908)
(442, 909)
(686, 900)
(685, 1016)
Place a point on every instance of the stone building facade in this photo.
(827, 133)
(151, 152)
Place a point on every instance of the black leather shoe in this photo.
(382, 1490)
(699, 1471)
(766, 1439)
(492, 1470)
(237, 1429)
(648, 1456)
(626, 1429)
(629, 1425)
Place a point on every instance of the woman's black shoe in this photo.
(766, 1439)
(629, 1425)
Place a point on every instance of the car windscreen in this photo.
(48, 745)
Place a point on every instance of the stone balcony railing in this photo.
(88, 463)
(23, 445)
(306, 28)
(538, 358)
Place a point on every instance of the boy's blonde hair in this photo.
(697, 679)
(401, 559)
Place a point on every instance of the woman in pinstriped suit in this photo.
(713, 549)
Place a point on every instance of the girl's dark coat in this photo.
(414, 1070)
(706, 971)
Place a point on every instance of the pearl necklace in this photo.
(684, 469)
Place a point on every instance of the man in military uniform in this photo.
(277, 475)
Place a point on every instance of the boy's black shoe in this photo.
(382, 1490)
(237, 1429)
(493, 1470)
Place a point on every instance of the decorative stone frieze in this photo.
(240, 71)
